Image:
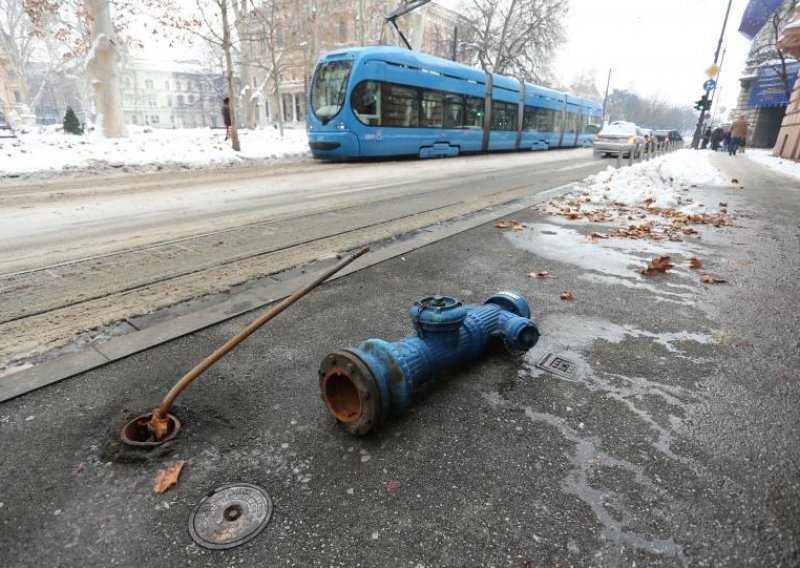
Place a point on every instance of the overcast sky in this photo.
(652, 46)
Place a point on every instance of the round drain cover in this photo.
(230, 515)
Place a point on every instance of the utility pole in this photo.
(698, 132)
(605, 100)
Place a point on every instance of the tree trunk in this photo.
(226, 46)
(102, 66)
(487, 113)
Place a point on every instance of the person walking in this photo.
(226, 116)
(716, 138)
(739, 131)
(706, 137)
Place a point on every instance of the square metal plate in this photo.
(559, 366)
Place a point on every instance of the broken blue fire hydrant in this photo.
(362, 386)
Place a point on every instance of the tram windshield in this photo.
(329, 88)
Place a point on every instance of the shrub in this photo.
(71, 123)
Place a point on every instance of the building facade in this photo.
(182, 94)
(766, 81)
(788, 143)
(10, 91)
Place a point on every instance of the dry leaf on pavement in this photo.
(539, 275)
(167, 478)
(710, 279)
(393, 484)
(566, 296)
(660, 264)
(695, 262)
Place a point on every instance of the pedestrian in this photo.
(226, 116)
(716, 138)
(706, 138)
(726, 140)
(738, 135)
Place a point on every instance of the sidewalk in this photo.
(674, 446)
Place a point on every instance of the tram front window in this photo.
(329, 88)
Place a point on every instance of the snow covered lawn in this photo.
(45, 152)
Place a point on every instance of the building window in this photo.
(155, 119)
(134, 120)
(148, 84)
(279, 35)
(166, 85)
(180, 100)
(177, 85)
(17, 96)
(151, 103)
(191, 99)
(342, 31)
(169, 102)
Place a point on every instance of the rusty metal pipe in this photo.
(159, 421)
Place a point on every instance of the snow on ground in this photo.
(782, 165)
(635, 215)
(45, 151)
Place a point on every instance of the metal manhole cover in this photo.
(230, 515)
(559, 366)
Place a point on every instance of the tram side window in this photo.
(572, 122)
(504, 116)
(529, 118)
(473, 112)
(400, 106)
(432, 110)
(453, 111)
(366, 103)
(544, 120)
(591, 124)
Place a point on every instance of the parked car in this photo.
(618, 137)
(669, 136)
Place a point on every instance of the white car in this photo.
(619, 137)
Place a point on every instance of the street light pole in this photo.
(605, 100)
(699, 130)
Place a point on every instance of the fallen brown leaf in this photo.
(539, 275)
(79, 468)
(710, 279)
(723, 204)
(167, 478)
(393, 484)
(734, 180)
(660, 264)
(695, 262)
(566, 296)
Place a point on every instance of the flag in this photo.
(756, 14)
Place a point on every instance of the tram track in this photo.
(55, 304)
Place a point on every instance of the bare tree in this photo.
(102, 64)
(517, 37)
(212, 21)
(17, 39)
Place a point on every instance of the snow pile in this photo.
(778, 164)
(46, 150)
(660, 180)
(650, 200)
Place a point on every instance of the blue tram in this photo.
(387, 101)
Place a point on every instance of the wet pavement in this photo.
(674, 443)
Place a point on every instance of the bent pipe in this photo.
(361, 387)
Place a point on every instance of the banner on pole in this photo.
(756, 14)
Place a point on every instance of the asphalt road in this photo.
(674, 445)
(78, 258)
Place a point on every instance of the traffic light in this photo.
(703, 104)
